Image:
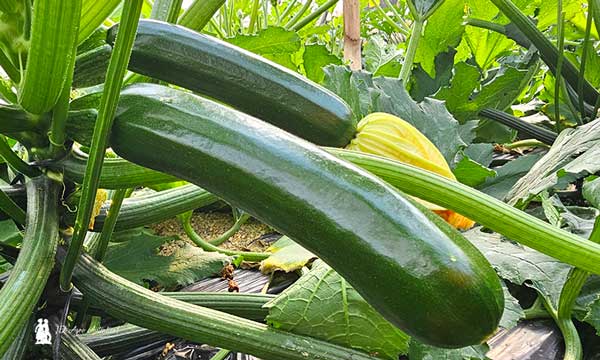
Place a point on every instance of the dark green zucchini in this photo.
(28, 277)
(241, 79)
(91, 66)
(422, 275)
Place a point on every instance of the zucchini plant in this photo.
(97, 97)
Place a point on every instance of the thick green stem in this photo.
(93, 14)
(18, 348)
(286, 11)
(140, 306)
(413, 44)
(315, 14)
(526, 143)
(595, 5)
(537, 310)
(298, 15)
(561, 48)
(206, 246)
(10, 208)
(253, 16)
(221, 355)
(584, 55)
(20, 294)
(573, 350)
(199, 14)
(570, 291)
(229, 233)
(60, 112)
(14, 161)
(157, 207)
(73, 349)
(9, 68)
(166, 10)
(109, 223)
(391, 21)
(536, 132)
(484, 24)
(247, 306)
(116, 173)
(486, 210)
(110, 96)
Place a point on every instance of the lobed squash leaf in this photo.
(323, 305)
(575, 154)
(367, 94)
(274, 43)
(591, 192)
(472, 173)
(508, 174)
(139, 260)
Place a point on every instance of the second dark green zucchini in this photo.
(241, 79)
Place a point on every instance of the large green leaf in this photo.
(481, 153)
(422, 85)
(140, 260)
(93, 14)
(512, 311)
(429, 116)
(472, 173)
(443, 31)
(9, 233)
(464, 99)
(315, 58)
(486, 46)
(521, 265)
(323, 305)
(273, 43)
(380, 56)
(547, 14)
(366, 94)
(575, 154)
(591, 192)
(422, 9)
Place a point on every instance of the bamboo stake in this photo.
(352, 51)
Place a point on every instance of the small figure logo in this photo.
(42, 333)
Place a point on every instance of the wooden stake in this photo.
(352, 42)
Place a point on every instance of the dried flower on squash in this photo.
(389, 136)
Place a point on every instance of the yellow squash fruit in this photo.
(389, 136)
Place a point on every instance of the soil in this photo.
(210, 225)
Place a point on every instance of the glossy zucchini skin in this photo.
(418, 272)
(91, 66)
(241, 79)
